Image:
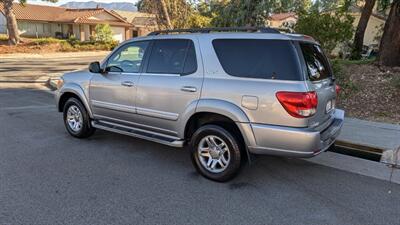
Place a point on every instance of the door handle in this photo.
(188, 89)
(127, 83)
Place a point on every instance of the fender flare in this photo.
(220, 107)
(77, 90)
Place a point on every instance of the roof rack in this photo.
(223, 29)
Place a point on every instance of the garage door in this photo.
(118, 33)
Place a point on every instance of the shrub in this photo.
(328, 29)
(103, 33)
(66, 47)
(72, 40)
(3, 37)
(46, 41)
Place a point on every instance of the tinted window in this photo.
(191, 61)
(172, 56)
(258, 58)
(317, 64)
(128, 58)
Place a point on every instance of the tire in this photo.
(75, 111)
(225, 159)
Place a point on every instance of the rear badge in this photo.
(330, 106)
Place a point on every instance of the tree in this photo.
(328, 29)
(170, 13)
(165, 14)
(389, 50)
(361, 27)
(242, 13)
(12, 26)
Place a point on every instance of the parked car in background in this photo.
(222, 93)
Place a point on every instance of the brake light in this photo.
(337, 88)
(299, 104)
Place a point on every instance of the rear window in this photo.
(317, 64)
(258, 58)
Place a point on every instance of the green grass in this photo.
(343, 79)
(354, 62)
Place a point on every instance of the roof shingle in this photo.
(63, 15)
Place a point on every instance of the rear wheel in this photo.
(215, 153)
(76, 119)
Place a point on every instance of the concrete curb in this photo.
(41, 79)
(19, 56)
(357, 165)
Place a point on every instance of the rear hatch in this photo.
(320, 79)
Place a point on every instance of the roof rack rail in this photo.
(222, 29)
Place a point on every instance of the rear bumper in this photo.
(295, 142)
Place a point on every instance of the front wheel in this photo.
(215, 153)
(76, 119)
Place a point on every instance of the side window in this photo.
(258, 58)
(128, 58)
(191, 61)
(172, 56)
(317, 64)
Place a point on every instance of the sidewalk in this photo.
(370, 134)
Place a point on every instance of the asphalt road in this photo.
(33, 68)
(48, 177)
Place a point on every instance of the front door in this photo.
(113, 93)
(169, 85)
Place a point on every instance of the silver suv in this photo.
(225, 94)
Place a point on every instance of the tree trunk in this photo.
(362, 26)
(166, 14)
(13, 35)
(389, 50)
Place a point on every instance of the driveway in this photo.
(48, 177)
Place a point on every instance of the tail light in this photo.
(337, 88)
(299, 104)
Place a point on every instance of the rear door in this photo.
(171, 82)
(320, 79)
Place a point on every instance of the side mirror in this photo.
(94, 67)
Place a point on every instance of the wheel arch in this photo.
(73, 90)
(221, 113)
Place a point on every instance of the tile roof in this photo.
(282, 16)
(62, 15)
(138, 18)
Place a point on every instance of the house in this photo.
(50, 21)
(144, 23)
(375, 23)
(282, 20)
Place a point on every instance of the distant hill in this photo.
(126, 6)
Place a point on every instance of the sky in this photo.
(60, 2)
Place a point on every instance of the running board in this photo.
(138, 133)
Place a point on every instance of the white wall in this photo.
(118, 33)
(3, 24)
(86, 28)
(76, 31)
